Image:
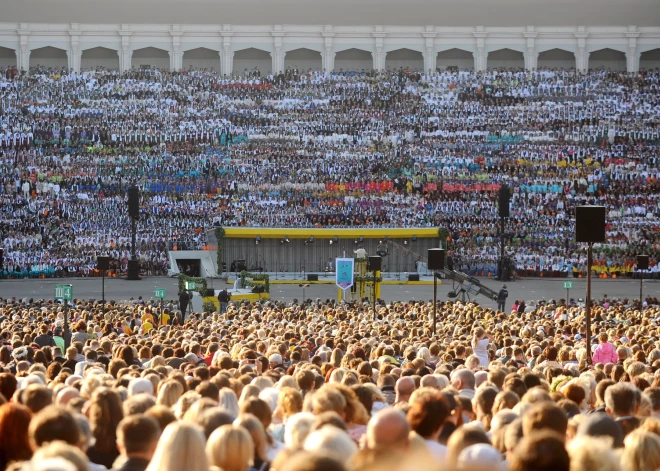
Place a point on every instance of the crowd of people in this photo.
(395, 148)
(326, 386)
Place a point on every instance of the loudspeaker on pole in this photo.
(642, 262)
(134, 202)
(374, 263)
(504, 201)
(102, 263)
(590, 224)
(436, 259)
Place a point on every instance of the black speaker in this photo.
(374, 263)
(436, 259)
(413, 277)
(504, 201)
(133, 272)
(590, 224)
(102, 263)
(134, 202)
(259, 289)
(312, 278)
(642, 262)
(2, 258)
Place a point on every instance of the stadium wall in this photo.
(233, 48)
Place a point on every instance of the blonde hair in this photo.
(230, 448)
(248, 391)
(184, 403)
(169, 392)
(592, 454)
(297, 428)
(328, 399)
(181, 446)
(642, 451)
(256, 430)
(262, 382)
(290, 401)
(229, 401)
(287, 382)
(337, 375)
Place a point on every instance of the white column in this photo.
(379, 56)
(632, 56)
(430, 56)
(328, 55)
(278, 52)
(75, 53)
(581, 54)
(531, 57)
(481, 57)
(23, 51)
(227, 54)
(125, 53)
(176, 55)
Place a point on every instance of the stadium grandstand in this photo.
(236, 142)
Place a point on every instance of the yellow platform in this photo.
(329, 233)
(331, 281)
(238, 297)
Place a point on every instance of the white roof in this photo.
(494, 13)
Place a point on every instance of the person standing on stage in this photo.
(184, 299)
(501, 298)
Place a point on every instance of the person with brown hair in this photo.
(545, 416)
(80, 332)
(483, 403)
(36, 397)
(137, 439)
(104, 413)
(427, 415)
(462, 438)
(51, 424)
(260, 409)
(540, 451)
(14, 442)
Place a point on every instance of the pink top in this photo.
(605, 353)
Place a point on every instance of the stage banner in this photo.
(344, 272)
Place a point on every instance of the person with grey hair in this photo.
(65, 395)
(622, 402)
(463, 380)
(332, 441)
(430, 381)
(535, 351)
(191, 358)
(480, 377)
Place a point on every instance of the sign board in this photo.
(160, 293)
(64, 292)
(190, 285)
(344, 272)
(568, 284)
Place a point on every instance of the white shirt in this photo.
(438, 451)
